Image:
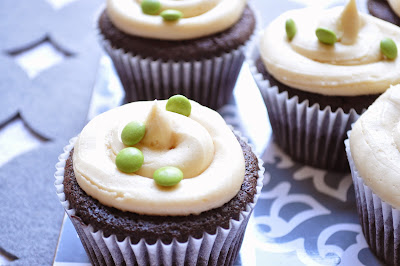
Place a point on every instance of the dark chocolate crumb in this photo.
(358, 103)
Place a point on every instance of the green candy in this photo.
(150, 7)
(179, 104)
(132, 133)
(326, 36)
(171, 14)
(168, 176)
(129, 160)
(291, 29)
(389, 48)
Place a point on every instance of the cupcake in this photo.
(197, 51)
(318, 75)
(373, 151)
(147, 186)
(388, 10)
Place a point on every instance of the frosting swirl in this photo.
(375, 146)
(200, 18)
(202, 146)
(352, 66)
(395, 5)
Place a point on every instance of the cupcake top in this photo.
(201, 145)
(174, 19)
(375, 146)
(332, 52)
(395, 5)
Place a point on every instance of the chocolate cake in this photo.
(126, 224)
(358, 103)
(187, 50)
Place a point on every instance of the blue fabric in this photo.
(54, 105)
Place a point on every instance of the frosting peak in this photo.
(159, 133)
(349, 23)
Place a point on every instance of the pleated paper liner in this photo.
(379, 220)
(209, 82)
(308, 134)
(220, 248)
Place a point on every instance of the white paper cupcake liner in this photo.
(307, 133)
(220, 248)
(209, 82)
(379, 220)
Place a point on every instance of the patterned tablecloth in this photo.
(304, 215)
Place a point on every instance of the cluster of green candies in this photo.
(152, 7)
(130, 160)
(388, 46)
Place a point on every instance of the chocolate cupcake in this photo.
(198, 55)
(388, 10)
(134, 218)
(373, 151)
(320, 75)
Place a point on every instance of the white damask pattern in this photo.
(280, 194)
(308, 231)
(318, 177)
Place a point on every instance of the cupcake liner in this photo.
(220, 248)
(308, 134)
(380, 221)
(209, 82)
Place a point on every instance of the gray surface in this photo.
(53, 106)
(30, 214)
(57, 102)
(13, 83)
(75, 31)
(23, 23)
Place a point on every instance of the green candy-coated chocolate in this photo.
(171, 14)
(326, 36)
(291, 29)
(168, 176)
(129, 160)
(150, 7)
(389, 48)
(179, 104)
(132, 133)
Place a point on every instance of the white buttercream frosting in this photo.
(201, 145)
(352, 66)
(200, 18)
(395, 5)
(375, 146)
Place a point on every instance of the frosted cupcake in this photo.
(373, 151)
(318, 75)
(167, 47)
(388, 10)
(183, 196)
